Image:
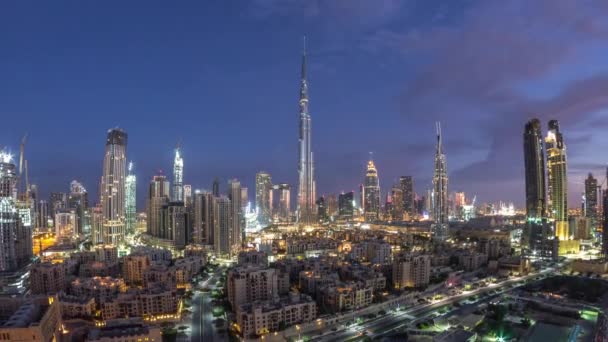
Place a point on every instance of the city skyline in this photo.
(84, 106)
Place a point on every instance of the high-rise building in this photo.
(409, 196)
(306, 190)
(223, 227)
(537, 233)
(78, 200)
(322, 209)
(43, 215)
(205, 217)
(113, 186)
(236, 231)
(397, 203)
(131, 200)
(244, 197)
(332, 205)
(557, 180)
(263, 197)
(590, 203)
(66, 224)
(178, 177)
(158, 197)
(284, 202)
(440, 192)
(187, 195)
(175, 224)
(372, 193)
(605, 225)
(346, 205)
(216, 187)
(15, 224)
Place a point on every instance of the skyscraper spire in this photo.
(306, 190)
(178, 176)
(440, 191)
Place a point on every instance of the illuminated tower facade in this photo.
(158, 198)
(113, 186)
(263, 197)
(371, 193)
(537, 233)
(557, 180)
(409, 196)
(306, 190)
(284, 201)
(236, 231)
(590, 202)
(130, 202)
(440, 192)
(178, 177)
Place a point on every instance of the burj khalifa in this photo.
(306, 189)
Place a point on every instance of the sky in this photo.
(221, 78)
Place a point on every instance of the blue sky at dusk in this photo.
(222, 78)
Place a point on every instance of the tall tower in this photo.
(236, 231)
(9, 223)
(178, 177)
(284, 202)
(263, 197)
(557, 180)
(158, 198)
(536, 232)
(306, 190)
(372, 193)
(113, 186)
(440, 191)
(409, 196)
(130, 205)
(590, 204)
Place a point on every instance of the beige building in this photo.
(129, 333)
(107, 253)
(47, 278)
(411, 271)
(75, 307)
(102, 289)
(250, 284)
(261, 318)
(133, 268)
(346, 296)
(32, 319)
(146, 303)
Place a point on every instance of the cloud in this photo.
(474, 69)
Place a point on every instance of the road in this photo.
(397, 320)
(202, 328)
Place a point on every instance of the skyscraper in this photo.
(178, 177)
(440, 192)
(371, 193)
(263, 197)
(158, 197)
(15, 219)
(223, 228)
(397, 203)
(205, 217)
(236, 231)
(216, 187)
(130, 200)
(590, 203)
(78, 200)
(306, 190)
(409, 196)
(346, 205)
(284, 202)
(113, 186)
(557, 180)
(537, 233)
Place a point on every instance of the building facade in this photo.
(113, 186)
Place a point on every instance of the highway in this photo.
(396, 320)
